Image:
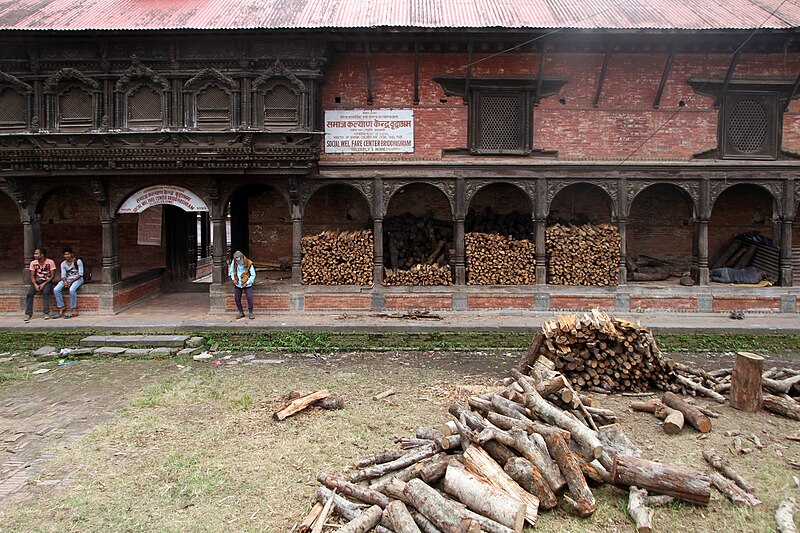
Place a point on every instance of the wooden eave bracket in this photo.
(542, 58)
(456, 85)
(369, 74)
(664, 76)
(715, 87)
(602, 79)
(728, 77)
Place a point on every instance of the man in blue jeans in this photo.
(71, 278)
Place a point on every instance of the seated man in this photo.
(749, 275)
(71, 278)
(43, 270)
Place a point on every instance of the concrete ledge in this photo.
(151, 341)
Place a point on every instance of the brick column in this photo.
(112, 272)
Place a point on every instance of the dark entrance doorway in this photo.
(180, 232)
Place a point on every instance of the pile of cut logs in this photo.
(333, 258)
(585, 255)
(497, 463)
(410, 240)
(423, 275)
(598, 352)
(497, 260)
(514, 224)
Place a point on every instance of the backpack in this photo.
(87, 271)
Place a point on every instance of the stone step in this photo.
(143, 341)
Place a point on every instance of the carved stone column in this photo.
(31, 234)
(700, 241)
(623, 252)
(297, 248)
(540, 227)
(377, 232)
(219, 237)
(112, 272)
(461, 263)
(787, 219)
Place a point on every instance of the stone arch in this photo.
(660, 224)
(364, 189)
(337, 206)
(11, 232)
(687, 192)
(741, 207)
(500, 207)
(260, 222)
(70, 216)
(447, 188)
(578, 203)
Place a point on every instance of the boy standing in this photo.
(71, 278)
(43, 270)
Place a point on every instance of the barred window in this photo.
(145, 109)
(13, 110)
(213, 109)
(281, 107)
(500, 122)
(750, 122)
(75, 110)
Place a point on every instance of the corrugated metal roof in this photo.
(398, 14)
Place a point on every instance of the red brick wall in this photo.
(270, 230)
(71, 217)
(660, 225)
(12, 253)
(624, 122)
(418, 199)
(501, 198)
(335, 207)
(133, 255)
(580, 202)
(739, 209)
(132, 294)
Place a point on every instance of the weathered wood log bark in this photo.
(402, 462)
(615, 442)
(507, 407)
(299, 404)
(700, 389)
(529, 478)
(584, 436)
(673, 419)
(310, 517)
(399, 518)
(357, 492)
(319, 523)
(784, 516)
(425, 525)
(638, 510)
(781, 386)
(688, 485)
(746, 382)
(784, 406)
(728, 489)
(434, 470)
(477, 461)
(365, 522)
(483, 498)
(519, 440)
(571, 468)
(409, 472)
(719, 464)
(691, 414)
(531, 354)
(381, 457)
(445, 514)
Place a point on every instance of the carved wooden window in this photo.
(75, 110)
(145, 109)
(281, 107)
(750, 125)
(13, 110)
(213, 109)
(500, 122)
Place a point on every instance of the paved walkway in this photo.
(189, 312)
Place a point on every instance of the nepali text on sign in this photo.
(163, 195)
(369, 130)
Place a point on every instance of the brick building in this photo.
(156, 140)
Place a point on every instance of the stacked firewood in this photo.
(585, 255)
(497, 260)
(338, 258)
(423, 275)
(598, 352)
(410, 240)
(531, 446)
(515, 224)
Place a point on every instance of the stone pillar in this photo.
(540, 227)
(461, 263)
(377, 232)
(623, 252)
(112, 272)
(219, 268)
(297, 248)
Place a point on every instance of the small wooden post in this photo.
(746, 382)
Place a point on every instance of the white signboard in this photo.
(369, 130)
(163, 195)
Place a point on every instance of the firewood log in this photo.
(381, 457)
(784, 516)
(519, 440)
(365, 522)
(299, 404)
(781, 386)
(347, 509)
(310, 517)
(638, 510)
(337, 258)
(357, 492)
(571, 469)
(782, 405)
(746, 382)
(713, 459)
(688, 485)
(529, 478)
(531, 354)
(483, 498)
(705, 391)
(733, 492)
(397, 464)
(400, 519)
(691, 414)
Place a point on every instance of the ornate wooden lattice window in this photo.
(213, 109)
(500, 122)
(145, 109)
(281, 107)
(749, 125)
(75, 110)
(13, 110)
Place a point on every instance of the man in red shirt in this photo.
(43, 270)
